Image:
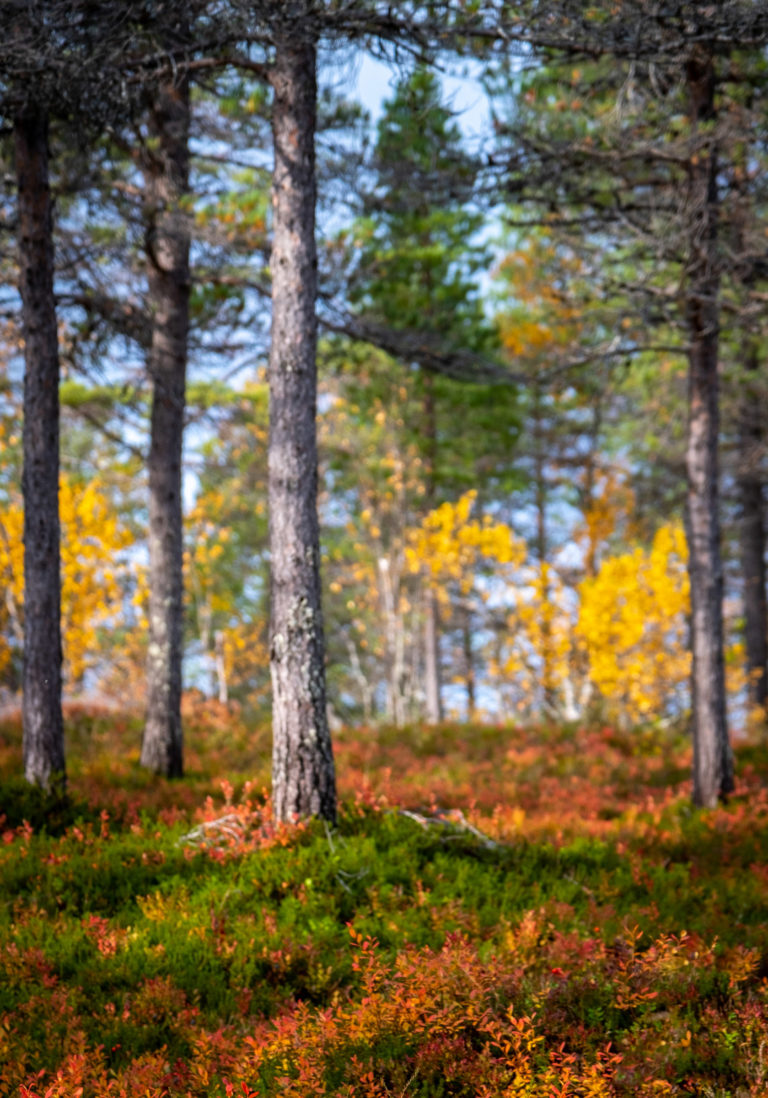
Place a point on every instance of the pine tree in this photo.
(58, 61)
(303, 774)
(417, 277)
(651, 173)
(165, 164)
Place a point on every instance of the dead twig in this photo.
(214, 832)
(454, 819)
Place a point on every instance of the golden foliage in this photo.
(611, 503)
(542, 319)
(92, 539)
(92, 570)
(540, 640)
(449, 546)
(12, 578)
(633, 622)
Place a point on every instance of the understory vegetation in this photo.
(500, 911)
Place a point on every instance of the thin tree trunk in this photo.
(395, 629)
(712, 761)
(43, 724)
(469, 662)
(434, 707)
(366, 690)
(549, 692)
(588, 495)
(167, 182)
(303, 775)
(432, 658)
(221, 668)
(752, 536)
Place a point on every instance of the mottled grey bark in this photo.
(303, 774)
(41, 707)
(166, 172)
(712, 757)
(752, 532)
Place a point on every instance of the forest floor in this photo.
(500, 911)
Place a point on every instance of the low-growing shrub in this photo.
(551, 937)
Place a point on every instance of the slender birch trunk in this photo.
(42, 717)
(168, 236)
(303, 775)
(712, 757)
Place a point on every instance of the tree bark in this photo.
(389, 583)
(470, 678)
(432, 692)
(166, 172)
(44, 763)
(221, 667)
(752, 534)
(549, 690)
(712, 757)
(303, 775)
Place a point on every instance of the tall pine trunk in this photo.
(752, 533)
(42, 717)
(166, 172)
(712, 758)
(303, 775)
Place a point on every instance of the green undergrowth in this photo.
(129, 940)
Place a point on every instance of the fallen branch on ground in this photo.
(454, 818)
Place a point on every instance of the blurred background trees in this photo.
(540, 366)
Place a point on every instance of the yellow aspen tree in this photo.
(371, 592)
(633, 621)
(534, 659)
(608, 508)
(451, 551)
(12, 580)
(543, 631)
(448, 547)
(93, 568)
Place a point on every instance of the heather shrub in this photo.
(549, 937)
